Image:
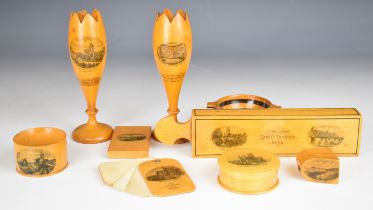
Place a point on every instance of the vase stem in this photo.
(173, 112)
(91, 112)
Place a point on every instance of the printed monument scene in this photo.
(249, 160)
(325, 136)
(87, 53)
(228, 137)
(172, 53)
(36, 162)
(164, 173)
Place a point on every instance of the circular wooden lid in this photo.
(248, 161)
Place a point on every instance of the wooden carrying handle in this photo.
(211, 105)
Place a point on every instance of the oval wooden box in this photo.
(40, 151)
(248, 171)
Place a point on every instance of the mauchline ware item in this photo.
(241, 101)
(40, 151)
(172, 50)
(88, 51)
(319, 165)
(248, 171)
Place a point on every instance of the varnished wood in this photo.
(172, 50)
(165, 177)
(284, 132)
(40, 152)
(248, 171)
(88, 50)
(171, 131)
(241, 101)
(319, 165)
(130, 142)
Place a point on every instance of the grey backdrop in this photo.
(251, 28)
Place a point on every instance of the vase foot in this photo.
(92, 133)
(169, 131)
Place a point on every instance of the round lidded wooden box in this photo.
(248, 171)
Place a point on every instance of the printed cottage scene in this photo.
(325, 136)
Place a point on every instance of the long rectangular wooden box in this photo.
(284, 132)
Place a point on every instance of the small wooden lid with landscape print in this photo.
(248, 171)
(130, 142)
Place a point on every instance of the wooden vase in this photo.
(172, 50)
(88, 50)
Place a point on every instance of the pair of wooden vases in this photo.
(42, 151)
(172, 48)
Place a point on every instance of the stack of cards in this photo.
(147, 176)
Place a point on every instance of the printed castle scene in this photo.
(87, 53)
(228, 137)
(36, 162)
(164, 173)
(325, 136)
(249, 160)
(172, 53)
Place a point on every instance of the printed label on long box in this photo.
(280, 136)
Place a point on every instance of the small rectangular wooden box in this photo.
(284, 132)
(130, 142)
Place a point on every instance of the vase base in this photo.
(169, 131)
(92, 133)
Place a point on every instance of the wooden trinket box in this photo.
(285, 132)
(248, 171)
(40, 152)
(130, 142)
(319, 165)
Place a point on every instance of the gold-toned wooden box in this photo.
(319, 165)
(284, 132)
(248, 171)
(130, 142)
